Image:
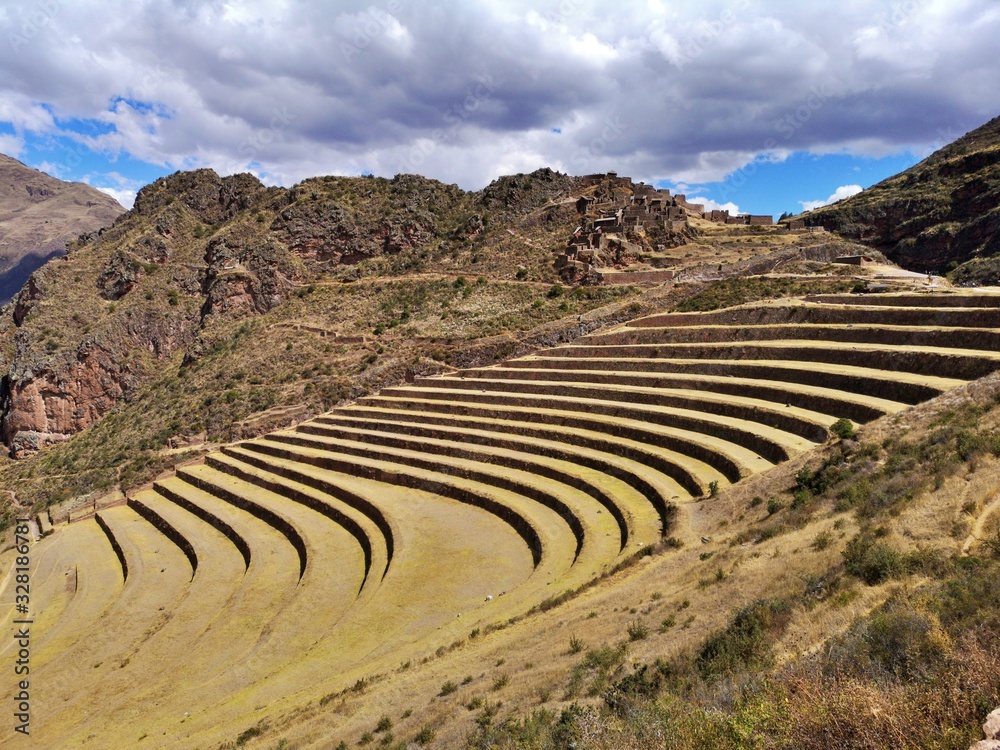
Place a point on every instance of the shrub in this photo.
(384, 724)
(575, 645)
(745, 643)
(843, 428)
(637, 630)
(448, 688)
(872, 561)
(556, 291)
(425, 736)
(713, 488)
(822, 541)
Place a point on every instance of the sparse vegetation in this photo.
(342, 332)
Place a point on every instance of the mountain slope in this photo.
(38, 216)
(199, 254)
(941, 213)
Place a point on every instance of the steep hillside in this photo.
(935, 216)
(38, 216)
(671, 532)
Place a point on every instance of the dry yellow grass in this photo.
(308, 649)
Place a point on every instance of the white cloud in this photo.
(844, 191)
(711, 205)
(699, 89)
(11, 145)
(125, 197)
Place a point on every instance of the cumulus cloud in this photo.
(844, 191)
(711, 205)
(465, 91)
(10, 144)
(125, 197)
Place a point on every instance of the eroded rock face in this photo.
(50, 405)
(28, 298)
(327, 232)
(209, 197)
(246, 273)
(120, 276)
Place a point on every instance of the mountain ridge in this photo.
(936, 216)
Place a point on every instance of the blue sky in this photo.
(758, 106)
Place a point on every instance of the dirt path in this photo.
(977, 530)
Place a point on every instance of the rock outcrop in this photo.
(992, 731)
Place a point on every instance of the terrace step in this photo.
(674, 474)
(343, 505)
(567, 483)
(334, 573)
(220, 563)
(935, 362)
(807, 312)
(805, 423)
(864, 333)
(908, 300)
(774, 444)
(732, 460)
(220, 486)
(163, 525)
(543, 520)
(906, 388)
(858, 407)
(631, 511)
(182, 648)
(158, 581)
(78, 580)
(266, 550)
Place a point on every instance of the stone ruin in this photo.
(615, 218)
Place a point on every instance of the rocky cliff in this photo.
(935, 216)
(38, 216)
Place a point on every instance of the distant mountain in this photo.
(938, 215)
(38, 216)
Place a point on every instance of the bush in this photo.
(872, 561)
(822, 541)
(556, 291)
(425, 736)
(899, 639)
(745, 643)
(637, 630)
(448, 688)
(843, 428)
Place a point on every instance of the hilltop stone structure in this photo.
(616, 217)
